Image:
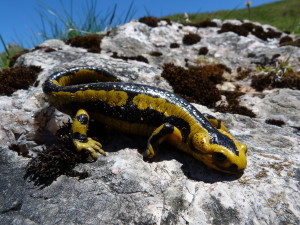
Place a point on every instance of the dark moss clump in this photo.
(275, 122)
(46, 49)
(203, 51)
(274, 57)
(153, 21)
(284, 40)
(203, 24)
(227, 27)
(242, 74)
(137, 58)
(90, 42)
(259, 32)
(273, 34)
(233, 104)
(21, 150)
(247, 28)
(197, 84)
(155, 54)
(191, 38)
(214, 72)
(261, 82)
(149, 20)
(174, 45)
(290, 80)
(16, 78)
(56, 160)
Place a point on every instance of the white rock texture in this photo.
(122, 188)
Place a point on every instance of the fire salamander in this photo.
(89, 92)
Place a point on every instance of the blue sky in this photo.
(20, 20)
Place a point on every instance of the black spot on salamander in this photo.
(221, 139)
(80, 137)
(83, 119)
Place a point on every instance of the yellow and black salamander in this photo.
(86, 92)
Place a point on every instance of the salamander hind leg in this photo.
(79, 135)
(160, 134)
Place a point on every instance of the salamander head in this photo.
(220, 151)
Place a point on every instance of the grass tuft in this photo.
(68, 23)
(65, 24)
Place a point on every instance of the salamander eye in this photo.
(218, 156)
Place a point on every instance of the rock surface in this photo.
(227, 48)
(122, 188)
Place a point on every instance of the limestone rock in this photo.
(122, 188)
(282, 104)
(229, 48)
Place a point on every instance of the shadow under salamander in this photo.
(61, 157)
(192, 168)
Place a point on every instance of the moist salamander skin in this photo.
(90, 92)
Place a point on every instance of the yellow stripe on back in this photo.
(143, 102)
(83, 76)
(112, 97)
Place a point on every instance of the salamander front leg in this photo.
(164, 132)
(79, 135)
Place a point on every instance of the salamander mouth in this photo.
(232, 169)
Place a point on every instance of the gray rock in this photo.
(229, 48)
(282, 104)
(122, 188)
